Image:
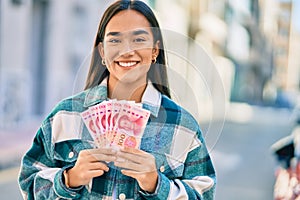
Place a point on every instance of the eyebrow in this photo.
(140, 32)
(113, 34)
(137, 32)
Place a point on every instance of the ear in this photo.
(155, 50)
(101, 50)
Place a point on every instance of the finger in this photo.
(94, 173)
(130, 165)
(131, 173)
(138, 152)
(102, 154)
(88, 153)
(103, 157)
(97, 166)
(103, 150)
(124, 156)
(132, 151)
(87, 175)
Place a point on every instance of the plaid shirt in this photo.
(172, 135)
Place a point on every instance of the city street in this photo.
(228, 56)
(242, 157)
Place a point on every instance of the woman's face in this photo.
(126, 124)
(128, 47)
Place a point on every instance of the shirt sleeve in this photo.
(39, 177)
(197, 182)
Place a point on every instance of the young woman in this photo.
(128, 63)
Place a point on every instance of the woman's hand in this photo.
(139, 165)
(90, 164)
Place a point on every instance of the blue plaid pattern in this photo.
(172, 135)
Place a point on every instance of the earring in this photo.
(154, 60)
(103, 62)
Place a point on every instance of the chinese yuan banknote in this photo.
(116, 123)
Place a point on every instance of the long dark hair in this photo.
(157, 73)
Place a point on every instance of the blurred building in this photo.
(257, 38)
(44, 44)
(282, 88)
(233, 33)
(249, 49)
(293, 79)
(229, 50)
(197, 42)
(282, 44)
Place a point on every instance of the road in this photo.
(244, 162)
(9, 188)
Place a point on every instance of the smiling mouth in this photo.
(127, 64)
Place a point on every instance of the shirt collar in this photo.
(151, 98)
(96, 94)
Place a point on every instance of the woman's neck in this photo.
(126, 91)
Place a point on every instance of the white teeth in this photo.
(127, 64)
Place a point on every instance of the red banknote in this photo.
(116, 123)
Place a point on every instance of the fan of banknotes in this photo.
(116, 123)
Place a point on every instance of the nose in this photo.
(126, 49)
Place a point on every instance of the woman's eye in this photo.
(139, 40)
(114, 41)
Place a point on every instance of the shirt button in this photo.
(162, 169)
(122, 196)
(71, 154)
